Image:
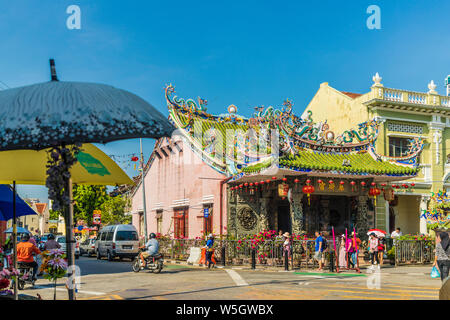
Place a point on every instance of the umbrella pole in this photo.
(14, 235)
(69, 241)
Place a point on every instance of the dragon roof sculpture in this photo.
(238, 146)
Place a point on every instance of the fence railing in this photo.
(239, 252)
(270, 252)
(414, 251)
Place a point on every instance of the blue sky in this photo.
(247, 53)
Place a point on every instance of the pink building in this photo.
(179, 186)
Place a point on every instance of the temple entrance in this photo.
(326, 211)
(284, 216)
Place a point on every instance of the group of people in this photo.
(28, 251)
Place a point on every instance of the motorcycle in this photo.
(153, 263)
(25, 275)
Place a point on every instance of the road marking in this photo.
(236, 278)
(384, 293)
(79, 291)
(416, 274)
(367, 298)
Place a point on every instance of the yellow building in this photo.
(404, 115)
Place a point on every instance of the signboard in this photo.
(97, 219)
(206, 212)
(283, 189)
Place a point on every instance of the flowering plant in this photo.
(54, 265)
(6, 275)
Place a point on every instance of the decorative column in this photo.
(437, 164)
(263, 221)
(423, 207)
(362, 223)
(297, 213)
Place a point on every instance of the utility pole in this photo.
(143, 193)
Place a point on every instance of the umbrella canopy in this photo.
(378, 232)
(94, 167)
(19, 230)
(6, 205)
(56, 112)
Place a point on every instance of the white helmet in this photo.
(210, 235)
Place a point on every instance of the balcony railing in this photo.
(419, 98)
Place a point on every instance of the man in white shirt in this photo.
(396, 233)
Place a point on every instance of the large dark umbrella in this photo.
(57, 114)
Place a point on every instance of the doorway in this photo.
(284, 216)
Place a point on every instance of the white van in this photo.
(120, 240)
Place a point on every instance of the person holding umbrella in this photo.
(373, 249)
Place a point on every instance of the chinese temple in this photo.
(289, 173)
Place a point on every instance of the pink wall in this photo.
(178, 178)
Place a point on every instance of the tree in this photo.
(86, 200)
(114, 209)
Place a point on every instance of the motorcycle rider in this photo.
(25, 250)
(51, 243)
(152, 246)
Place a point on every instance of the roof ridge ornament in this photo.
(432, 87)
(377, 80)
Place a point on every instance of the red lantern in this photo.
(341, 185)
(352, 183)
(373, 184)
(374, 192)
(363, 183)
(284, 179)
(262, 182)
(274, 178)
(256, 183)
(134, 159)
(383, 184)
(308, 190)
(251, 184)
(241, 185)
(308, 181)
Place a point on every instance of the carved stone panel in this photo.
(362, 223)
(247, 218)
(297, 213)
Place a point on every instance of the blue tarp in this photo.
(6, 204)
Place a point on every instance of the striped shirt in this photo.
(440, 253)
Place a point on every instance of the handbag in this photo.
(435, 273)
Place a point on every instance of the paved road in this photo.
(90, 266)
(114, 280)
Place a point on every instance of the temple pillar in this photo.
(423, 207)
(297, 213)
(362, 223)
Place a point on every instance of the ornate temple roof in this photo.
(244, 147)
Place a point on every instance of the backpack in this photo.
(324, 244)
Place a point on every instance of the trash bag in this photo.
(435, 273)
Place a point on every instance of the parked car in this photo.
(62, 241)
(119, 240)
(87, 247)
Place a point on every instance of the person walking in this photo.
(442, 256)
(356, 244)
(342, 262)
(349, 249)
(319, 249)
(209, 251)
(373, 250)
(381, 249)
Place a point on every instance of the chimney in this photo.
(447, 85)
